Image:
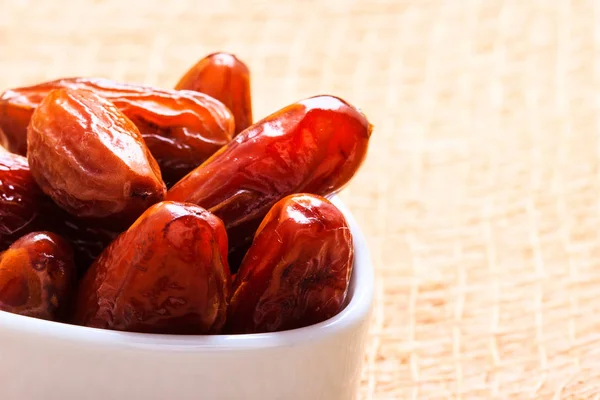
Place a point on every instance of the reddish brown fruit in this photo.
(297, 270)
(313, 146)
(227, 79)
(167, 273)
(91, 159)
(37, 276)
(181, 128)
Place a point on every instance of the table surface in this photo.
(481, 193)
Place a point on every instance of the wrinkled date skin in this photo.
(37, 276)
(91, 159)
(24, 208)
(227, 79)
(313, 146)
(297, 270)
(181, 128)
(167, 273)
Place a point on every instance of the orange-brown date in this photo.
(181, 128)
(91, 159)
(313, 146)
(167, 273)
(227, 79)
(297, 270)
(37, 276)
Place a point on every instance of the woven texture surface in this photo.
(481, 194)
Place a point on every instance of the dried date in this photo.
(313, 146)
(167, 273)
(297, 270)
(91, 159)
(227, 79)
(37, 276)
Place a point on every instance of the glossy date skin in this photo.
(91, 159)
(181, 128)
(37, 276)
(313, 146)
(297, 270)
(227, 79)
(167, 273)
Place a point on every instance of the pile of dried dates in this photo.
(139, 209)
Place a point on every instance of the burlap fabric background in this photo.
(481, 193)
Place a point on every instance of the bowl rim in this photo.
(358, 308)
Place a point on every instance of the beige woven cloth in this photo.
(481, 193)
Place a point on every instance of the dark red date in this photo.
(37, 276)
(297, 270)
(167, 273)
(227, 79)
(313, 146)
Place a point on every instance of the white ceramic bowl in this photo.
(48, 360)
